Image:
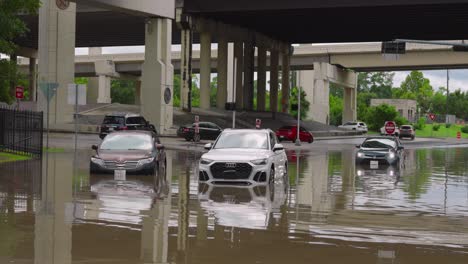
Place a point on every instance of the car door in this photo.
(212, 131)
(204, 132)
(304, 134)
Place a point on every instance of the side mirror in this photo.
(278, 147)
(160, 146)
(358, 146)
(208, 146)
(94, 147)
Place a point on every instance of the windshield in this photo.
(114, 120)
(127, 142)
(379, 143)
(242, 140)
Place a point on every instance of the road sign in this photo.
(258, 123)
(390, 127)
(75, 90)
(48, 89)
(458, 135)
(19, 91)
(432, 117)
(393, 47)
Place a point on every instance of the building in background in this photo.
(406, 107)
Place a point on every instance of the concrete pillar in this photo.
(239, 57)
(32, 80)
(137, 92)
(274, 57)
(205, 69)
(57, 57)
(104, 89)
(349, 104)
(261, 78)
(249, 64)
(285, 83)
(221, 94)
(316, 86)
(92, 90)
(186, 70)
(157, 74)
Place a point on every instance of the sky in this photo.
(438, 78)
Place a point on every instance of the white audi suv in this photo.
(251, 156)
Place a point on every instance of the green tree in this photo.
(439, 101)
(377, 115)
(416, 84)
(336, 110)
(123, 91)
(379, 83)
(213, 91)
(177, 83)
(12, 27)
(294, 103)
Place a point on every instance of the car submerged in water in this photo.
(379, 151)
(250, 156)
(138, 152)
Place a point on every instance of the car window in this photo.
(286, 127)
(138, 120)
(204, 125)
(253, 140)
(379, 143)
(272, 140)
(114, 120)
(362, 124)
(211, 125)
(127, 142)
(405, 127)
(303, 129)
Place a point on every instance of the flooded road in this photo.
(328, 210)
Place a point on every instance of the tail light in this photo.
(124, 128)
(186, 130)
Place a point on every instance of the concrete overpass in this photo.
(241, 28)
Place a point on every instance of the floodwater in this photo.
(327, 210)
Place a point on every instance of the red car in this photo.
(290, 133)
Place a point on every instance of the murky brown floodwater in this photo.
(327, 211)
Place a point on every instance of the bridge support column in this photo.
(261, 78)
(104, 89)
(92, 90)
(57, 57)
(274, 61)
(157, 74)
(186, 70)
(32, 80)
(349, 105)
(223, 73)
(285, 83)
(239, 56)
(205, 69)
(249, 64)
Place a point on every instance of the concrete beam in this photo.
(149, 8)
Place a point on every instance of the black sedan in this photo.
(207, 130)
(379, 150)
(133, 151)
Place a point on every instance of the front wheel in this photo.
(271, 179)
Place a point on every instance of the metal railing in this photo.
(21, 131)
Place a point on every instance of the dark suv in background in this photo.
(208, 130)
(124, 121)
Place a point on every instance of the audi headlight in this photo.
(360, 155)
(391, 155)
(145, 161)
(259, 162)
(205, 161)
(97, 161)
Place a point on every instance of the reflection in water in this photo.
(327, 210)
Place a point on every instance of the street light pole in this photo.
(298, 140)
(447, 102)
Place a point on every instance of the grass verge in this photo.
(8, 157)
(443, 132)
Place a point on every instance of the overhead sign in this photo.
(390, 127)
(19, 92)
(393, 47)
(432, 117)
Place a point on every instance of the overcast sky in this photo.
(438, 78)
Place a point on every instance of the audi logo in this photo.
(230, 165)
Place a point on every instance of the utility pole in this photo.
(447, 103)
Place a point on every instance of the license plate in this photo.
(111, 129)
(374, 164)
(120, 175)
